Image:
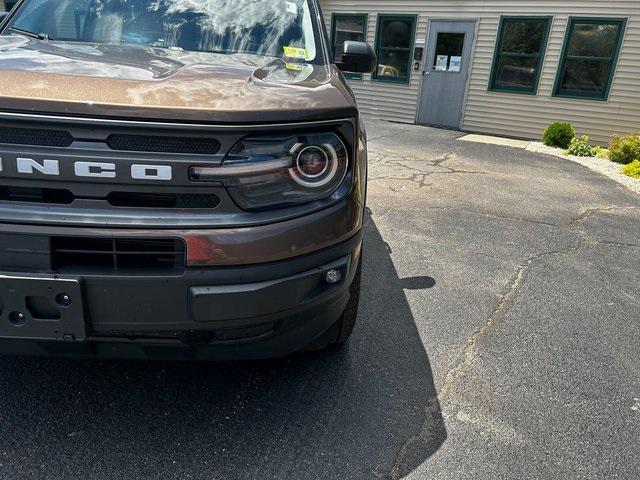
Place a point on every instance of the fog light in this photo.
(333, 276)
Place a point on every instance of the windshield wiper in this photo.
(27, 33)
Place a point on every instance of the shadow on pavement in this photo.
(417, 283)
(364, 411)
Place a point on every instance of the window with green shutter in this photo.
(394, 47)
(589, 57)
(519, 54)
(347, 27)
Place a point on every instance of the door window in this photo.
(448, 56)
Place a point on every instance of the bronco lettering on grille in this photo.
(30, 166)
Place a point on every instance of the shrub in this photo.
(558, 134)
(601, 152)
(580, 147)
(632, 170)
(625, 149)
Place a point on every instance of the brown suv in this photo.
(179, 179)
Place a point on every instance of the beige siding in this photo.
(390, 101)
(502, 113)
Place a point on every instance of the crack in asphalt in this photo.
(493, 215)
(504, 302)
(432, 427)
(486, 255)
(574, 222)
(419, 177)
(589, 212)
(617, 244)
(433, 421)
(631, 297)
(397, 159)
(444, 158)
(439, 407)
(380, 137)
(511, 290)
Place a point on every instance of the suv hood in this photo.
(100, 80)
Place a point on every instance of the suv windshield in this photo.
(274, 28)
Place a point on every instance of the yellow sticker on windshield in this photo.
(295, 52)
(298, 67)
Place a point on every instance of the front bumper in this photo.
(232, 312)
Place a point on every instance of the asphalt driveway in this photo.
(499, 337)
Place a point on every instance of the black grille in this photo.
(117, 254)
(33, 136)
(36, 195)
(139, 143)
(58, 196)
(163, 200)
(122, 142)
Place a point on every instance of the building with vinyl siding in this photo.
(507, 67)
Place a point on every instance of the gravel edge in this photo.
(600, 165)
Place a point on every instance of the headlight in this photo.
(277, 171)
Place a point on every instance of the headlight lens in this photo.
(278, 171)
(311, 163)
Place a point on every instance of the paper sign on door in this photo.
(442, 62)
(456, 64)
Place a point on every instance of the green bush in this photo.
(632, 170)
(601, 152)
(580, 147)
(558, 134)
(625, 149)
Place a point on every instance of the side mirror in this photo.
(357, 57)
